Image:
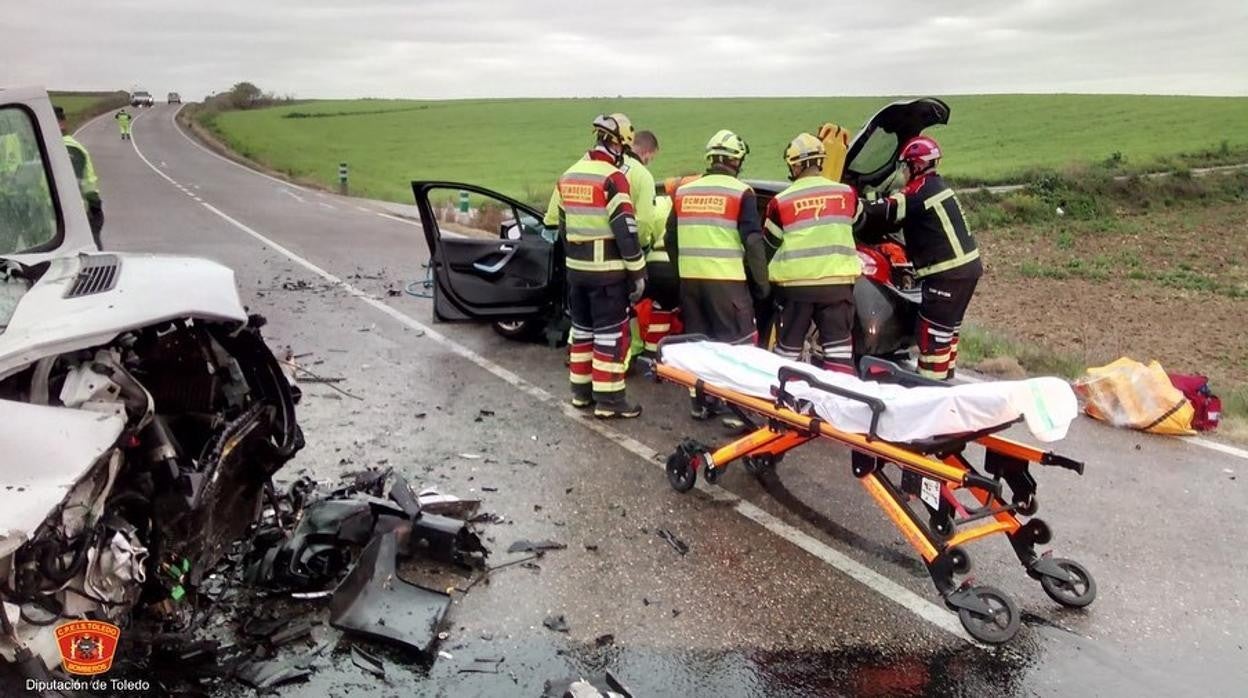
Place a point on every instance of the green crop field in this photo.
(521, 146)
(80, 106)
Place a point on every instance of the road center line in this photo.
(918, 605)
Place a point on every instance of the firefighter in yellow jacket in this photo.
(605, 268)
(809, 228)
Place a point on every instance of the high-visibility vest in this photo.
(816, 234)
(641, 192)
(657, 253)
(88, 183)
(587, 217)
(707, 212)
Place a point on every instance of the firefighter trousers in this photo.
(944, 304)
(599, 340)
(831, 310)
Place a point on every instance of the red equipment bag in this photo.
(1208, 407)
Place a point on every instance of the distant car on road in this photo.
(141, 98)
(175, 98)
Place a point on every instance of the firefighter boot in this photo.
(582, 396)
(615, 407)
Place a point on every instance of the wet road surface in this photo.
(793, 586)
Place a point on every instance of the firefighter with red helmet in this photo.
(941, 247)
(606, 271)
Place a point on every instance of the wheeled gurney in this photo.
(921, 428)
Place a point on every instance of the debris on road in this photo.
(557, 623)
(605, 686)
(368, 662)
(677, 544)
(528, 546)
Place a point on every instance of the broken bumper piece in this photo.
(375, 602)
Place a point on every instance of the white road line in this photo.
(292, 195)
(921, 607)
(399, 219)
(365, 210)
(328, 206)
(174, 120)
(90, 121)
(1215, 446)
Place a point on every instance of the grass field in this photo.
(80, 106)
(520, 146)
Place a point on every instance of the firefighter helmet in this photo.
(921, 154)
(805, 151)
(726, 144)
(616, 128)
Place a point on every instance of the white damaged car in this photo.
(141, 413)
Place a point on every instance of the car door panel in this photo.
(489, 260)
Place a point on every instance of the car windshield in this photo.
(28, 217)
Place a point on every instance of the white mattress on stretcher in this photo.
(1047, 405)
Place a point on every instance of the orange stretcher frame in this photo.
(932, 472)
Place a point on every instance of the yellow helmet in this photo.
(805, 150)
(727, 144)
(617, 127)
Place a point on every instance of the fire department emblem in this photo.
(87, 646)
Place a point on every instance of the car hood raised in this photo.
(56, 316)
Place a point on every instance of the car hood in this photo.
(89, 299)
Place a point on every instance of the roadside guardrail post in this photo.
(463, 202)
(342, 178)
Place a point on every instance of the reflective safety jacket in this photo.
(710, 245)
(642, 193)
(88, 183)
(810, 226)
(595, 217)
(937, 237)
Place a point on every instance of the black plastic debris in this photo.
(677, 544)
(603, 686)
(528, 546)
(375, 602)
(557, 623)
(483, 665)
(368, 662)
(269, 674)
(604, 640)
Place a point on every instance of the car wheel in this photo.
(519, 330)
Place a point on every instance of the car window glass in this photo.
(28, 217)
(472, 214)
(876, 154)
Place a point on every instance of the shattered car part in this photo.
(141, 417)
(375, 602)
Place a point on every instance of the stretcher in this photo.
(960, 503)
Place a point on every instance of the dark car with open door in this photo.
(491, 261)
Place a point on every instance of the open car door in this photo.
(871, 161)
(488, 257)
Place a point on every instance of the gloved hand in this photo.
(639, 290)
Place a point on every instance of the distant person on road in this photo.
(88, 184)
(123, 123)
(593, 209)
(810, 227)
(713, 235)
(942, 249)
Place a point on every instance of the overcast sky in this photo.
(500, 48)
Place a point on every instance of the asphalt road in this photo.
(797, 586)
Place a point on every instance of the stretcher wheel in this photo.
(941, 525)
(1028, 507)
(959, 560)
(713, 475)
(681, 473)
(760, 464)
(1076, 594)
(1002, 622)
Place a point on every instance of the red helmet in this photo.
(921, 153)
